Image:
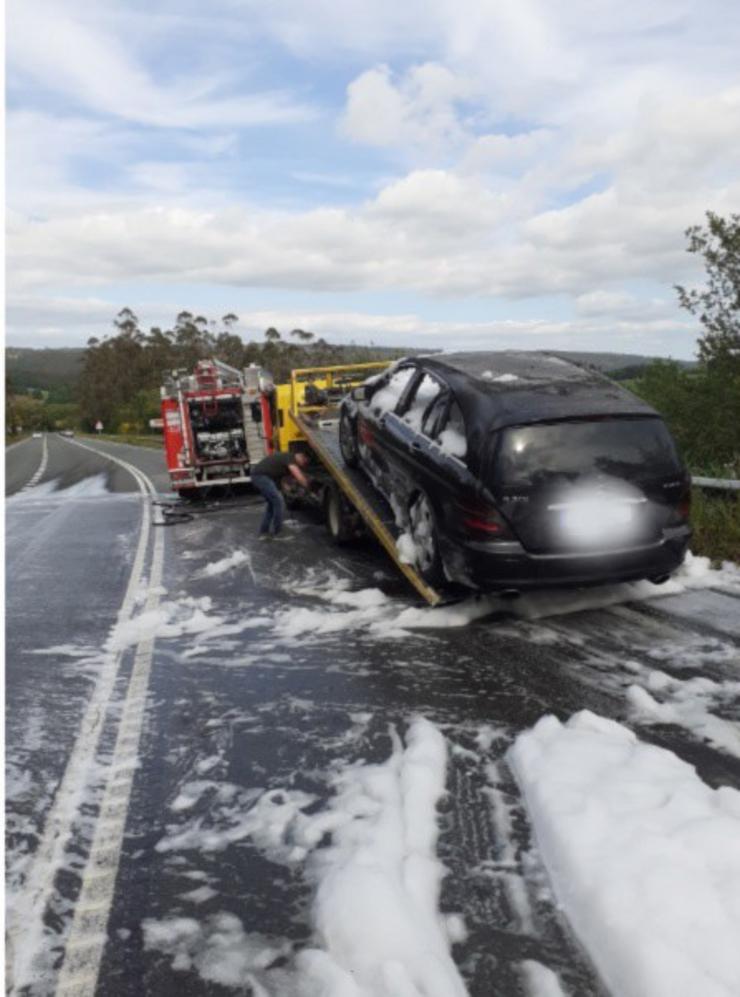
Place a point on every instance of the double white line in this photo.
(41, 468)
(83, 949)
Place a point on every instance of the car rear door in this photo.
(372, 421)
(402, 427)
(426, 443)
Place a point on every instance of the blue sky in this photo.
(490, 173)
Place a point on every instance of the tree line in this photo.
(702, 404)
(122, 373)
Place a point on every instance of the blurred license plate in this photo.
(595, 517)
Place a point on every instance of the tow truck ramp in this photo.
(322, 436)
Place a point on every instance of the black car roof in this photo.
(516, 387)
(510, 387)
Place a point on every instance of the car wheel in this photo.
(423, 528)
(348, 440)
(338, 521)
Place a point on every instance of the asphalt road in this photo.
(131, 764)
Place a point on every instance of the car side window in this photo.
(451, 433)
(426, 391)
(434, 413)
(387, 395)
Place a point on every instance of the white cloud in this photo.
(668, 139)
(439, 204)
(39, 149)
(49, 158)
(367, 28)
(623, 306)
(538, 147)
(432, 231)
(534, 57)
(435, 231)
(375, 112)
(30, 310)
(501, 153)
(65, 52)
(419, 111)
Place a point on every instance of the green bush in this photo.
(702, 409)
(715, 517)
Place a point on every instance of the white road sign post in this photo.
(98, 426)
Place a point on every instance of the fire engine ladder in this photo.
(253, 436)
(323, 438)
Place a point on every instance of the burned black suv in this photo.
(516, 470)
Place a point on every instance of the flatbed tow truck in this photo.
(350, 500)
(259, 419)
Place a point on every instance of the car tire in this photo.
(423, 529)
(336, 512)
(348, 441)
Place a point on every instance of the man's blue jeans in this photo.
(272, 520)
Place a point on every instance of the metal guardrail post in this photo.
(721, 484)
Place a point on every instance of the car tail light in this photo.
(484, 521)
(683, 509)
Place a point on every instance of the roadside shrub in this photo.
(715, 517)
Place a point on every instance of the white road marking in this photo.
(87, 937)
(94, 902)
(41, 468)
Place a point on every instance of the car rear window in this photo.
(452, 437)
(635, 449)
(425, 393)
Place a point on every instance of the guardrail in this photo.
(721, 484)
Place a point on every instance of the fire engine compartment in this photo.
(217, 424)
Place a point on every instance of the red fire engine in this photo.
(216, 422)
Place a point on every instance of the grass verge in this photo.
(715, 517)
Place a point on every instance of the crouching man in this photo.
(266, 478)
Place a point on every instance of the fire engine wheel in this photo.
(190, 494)
(348, 440)
(337, 515)
(423, 529)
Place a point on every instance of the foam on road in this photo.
(264, 756)
(644, 857)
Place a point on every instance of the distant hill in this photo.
(45, 369)
(620, 364)
(52, 369)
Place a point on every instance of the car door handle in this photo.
(417, 445)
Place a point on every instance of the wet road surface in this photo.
(228, 680)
